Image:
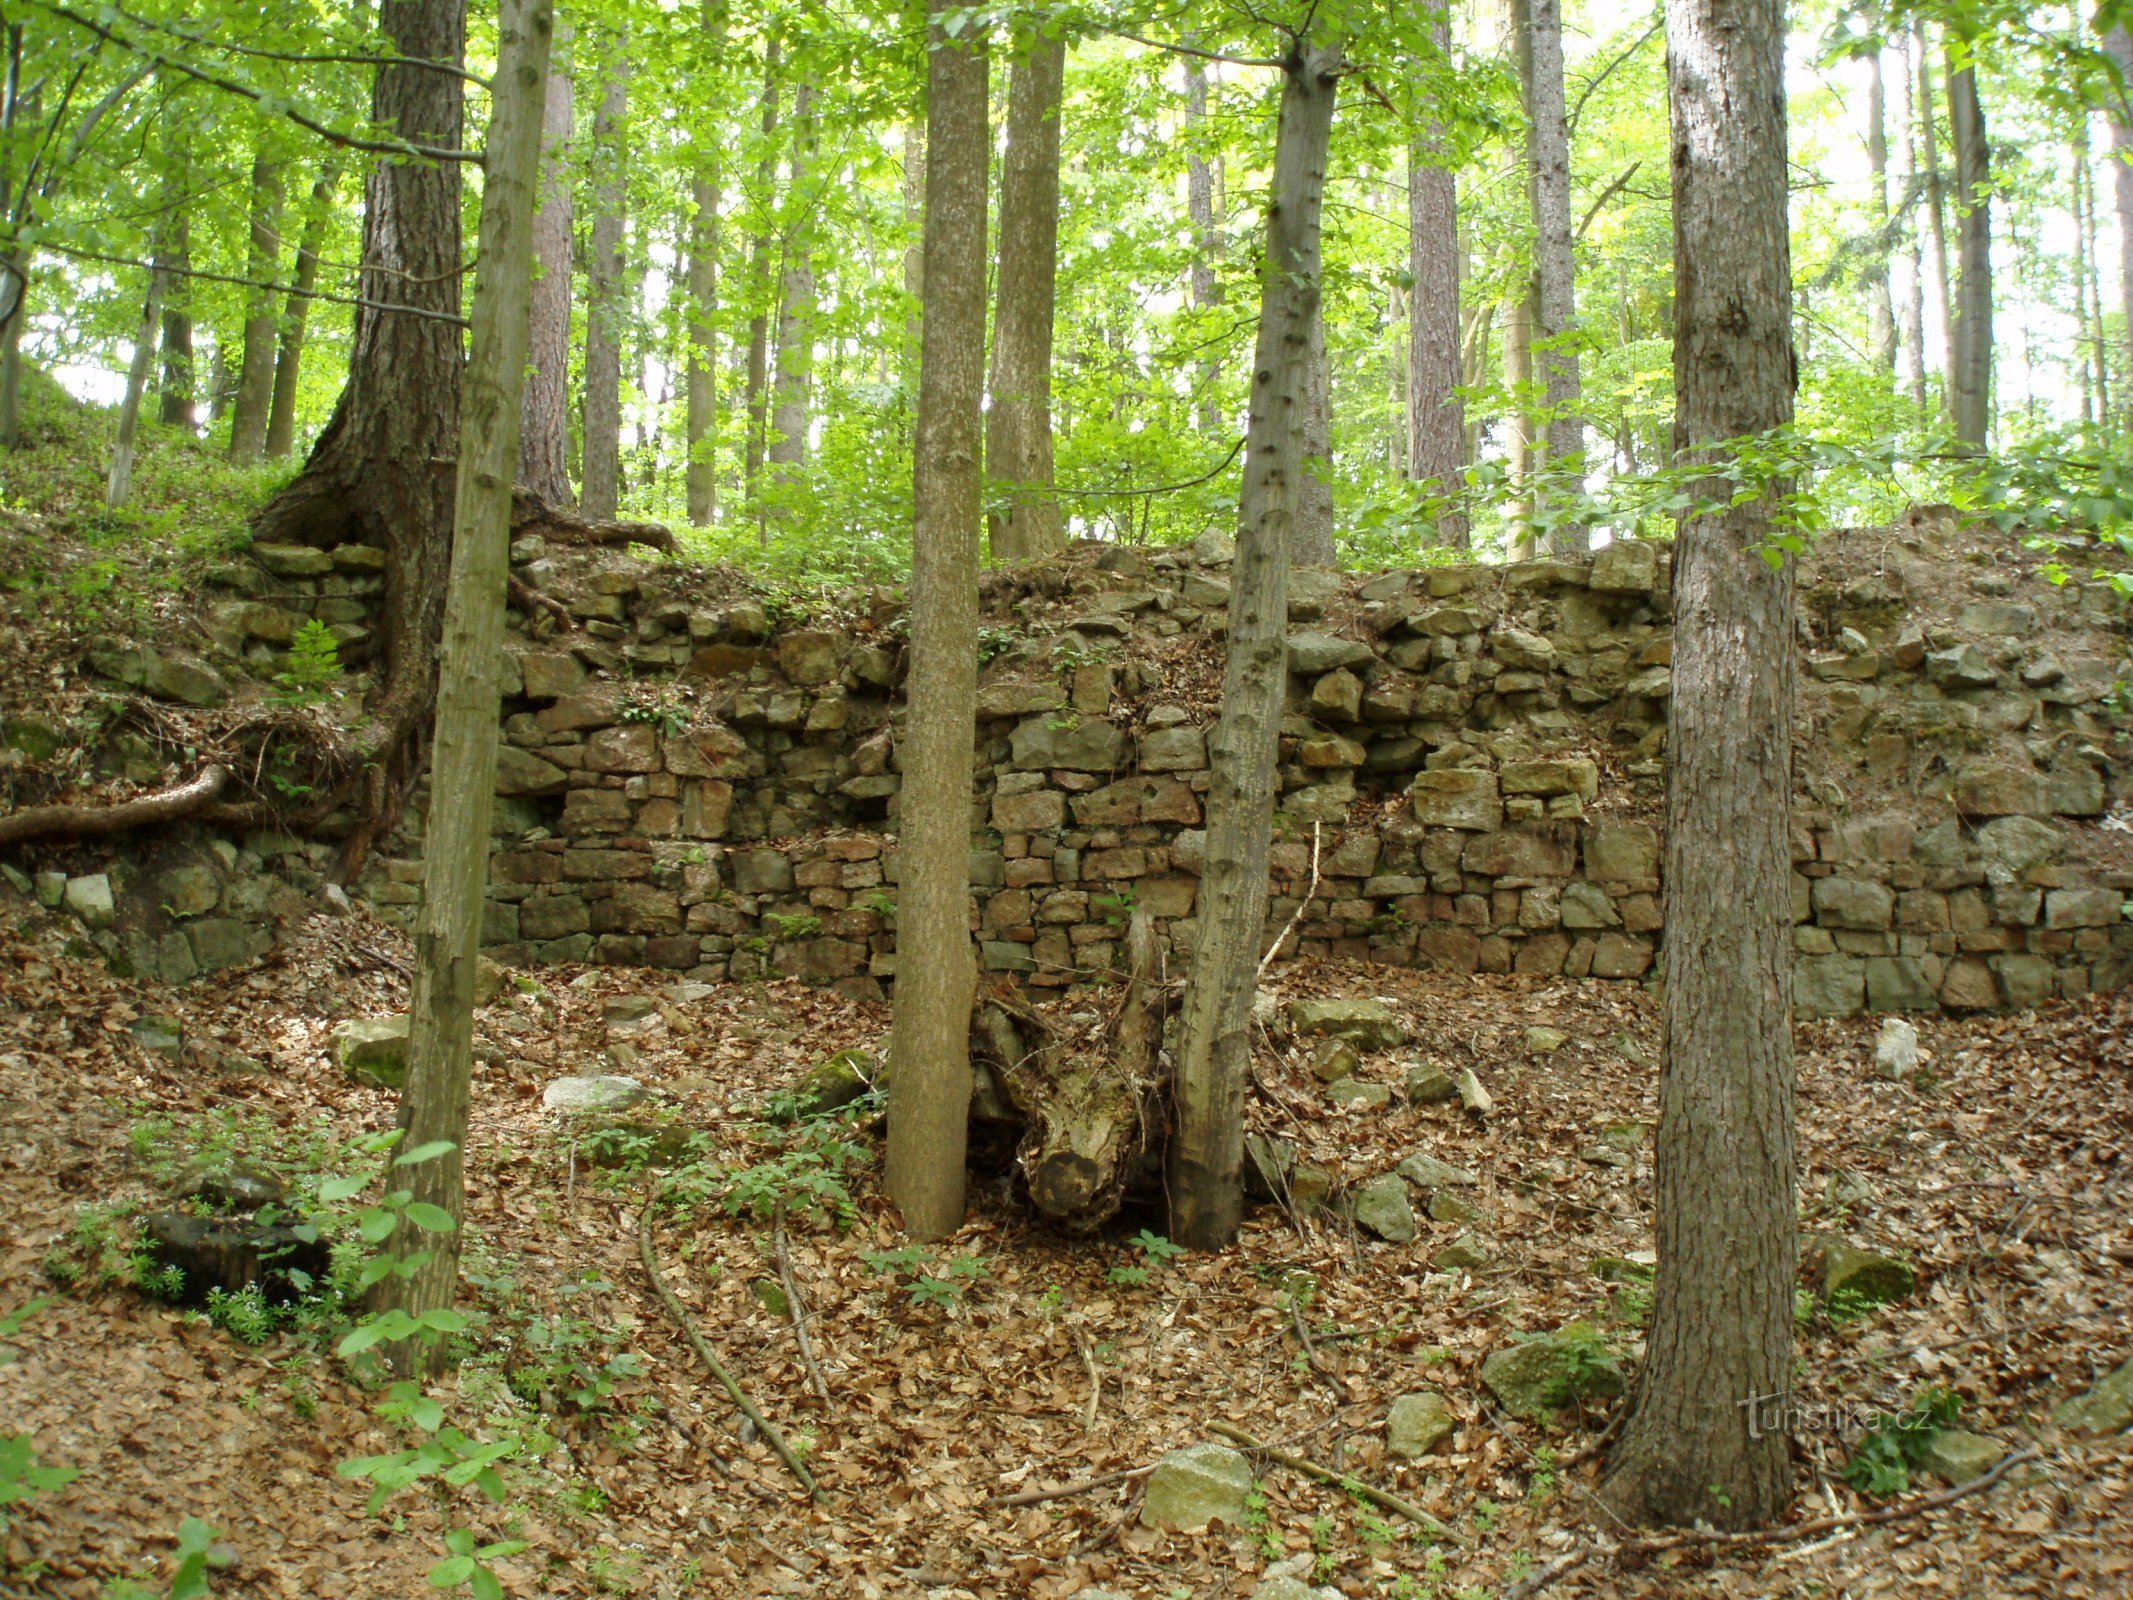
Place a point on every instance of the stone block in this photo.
(2084, 908)
(1852, 903)
(1581, 778)
(1520, 853)
(1828, 986)
(1457, 797)
(1069, 744)
(1622, 852)
(1179, 749)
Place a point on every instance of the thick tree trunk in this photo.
(1936, 214)
(455, 865)
(118, 484)
(1026, 526)
(1554, 331)
(1881, 307)
(1207, 1150)
(787, 447)
(1971, 374)
(605, 272)
(544, 422)
(296, 317)
(1436, 415)
(759, 293)
(929, 1093)
(375, 474)
(1700, 1445)
(175, 399)
(706, 193)
(1206, 232)
(255, 373)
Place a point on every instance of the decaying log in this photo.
(531, 514)
(1087, 1118)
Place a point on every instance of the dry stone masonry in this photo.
(1471, 763)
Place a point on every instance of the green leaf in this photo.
(435, 1219)
(444, 1320)
(338, 1189)
(487, 1586)
(451, 1572)
(360, 1338)
(425, 1152)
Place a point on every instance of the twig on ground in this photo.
(1037, 1497)
(1380, 1498)
(798, 1314)
(1096, 1389)
(1318, 1371)
(679, 1315)
(1310, 894)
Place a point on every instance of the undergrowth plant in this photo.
(1881, 1463)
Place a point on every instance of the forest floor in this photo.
(2000, 1171)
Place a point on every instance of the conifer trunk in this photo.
(544, 421)
(600, 475)
(1207, 1148)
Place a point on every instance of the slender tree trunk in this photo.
(175, 403)
(2086, 341)
(1520, 445)
(706, 193)
(787, 447)
(1206, 232)
(929, 1094)
(1311, 529)
(1699, 1445)
(1936, 213)
(2092, 235)
(1554, 330)
(118, 485)
(1436, 413)
(914, 197)
(1972, 371)
(759, 293)
(605, 275)
(455, 868)
(2119, 42)
(1881, 334)
(544, 425)
(296, 316)
(1207, 1147)
(1027, 525)
(373, 475)
(255, 374)
(1914, 306)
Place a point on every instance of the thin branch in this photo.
(251, 283)
(350, 58)
(1214, 471)
(1380, 1498)
(1304, 905)
(383, 147)
(1606, 195)
(798, 1313)
(1585, 93)
(1037, 1497)
(1195, 50)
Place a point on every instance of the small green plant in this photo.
(1882, 1462)
(1118, 906)
(807, 1180)
(662, 711)
(1849, 1305)
(1485, 1514)
(1156, 1251)
(931, 1284)
(568, 1358)
(1545, 1474)
(880, 902)
(1261, 1526)
(311, 668)
(197, 1556)
(784, 928)
(246, 1316)
(22, 1475)
(994, 643)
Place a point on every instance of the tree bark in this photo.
(1554, 331)
(2119, 42)
(914, 197)
(601, 472)
(787, 447)
(1913, 330)
(1520, 444)
(929, 1093)
(1026, 524)
(1436, 414)
(1936, 213)
(255, 373)
(1207, 1150)
(296, 316)
(1881, 307)
(375, 475)
(1722, 1309)
(1971, 375)
(434, 1105)
(544, 423)
(706, 193)
(118, 484)
(1311, 530)
(175, 399)
(759, 293)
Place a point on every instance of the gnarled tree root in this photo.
(81, 820)
(531, 514)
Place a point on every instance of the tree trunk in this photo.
(1913, 333)
(1699, 1445)
(1207, 1150)
(1520, 445)
(175, 402)
(118, 486)
(706, 192)
(374, 476)
(1311, 531)
(295, 320)
(1206, 232)
(1436, 415)
(544, 424)
(255, 373)
(759, 252)
(2119, 42)
(1026, 526)
(1971, 375)
(455, 867)
(15, 277)
(1554, 331)
(605, 270)
(1936, 214)
(1881, 334)
(2087, 338)
(787, 447)
(929, 1093)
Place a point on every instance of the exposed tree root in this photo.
(533, 603)
(80, 820)
(531, 514)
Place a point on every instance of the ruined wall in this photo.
(698, 779)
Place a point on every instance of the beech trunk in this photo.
(787, 446)
(544, 420)
(1436, 415)
(1881, 302)
(600, 475)
(296, 316)
(1554, 330)
(1700, 1445)
(255, 373)
(1206, 223)
(1970, 372)
(175, 402)
(1206, 1151)
(706, 194)
(118, 483)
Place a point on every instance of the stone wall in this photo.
(1477, 752)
